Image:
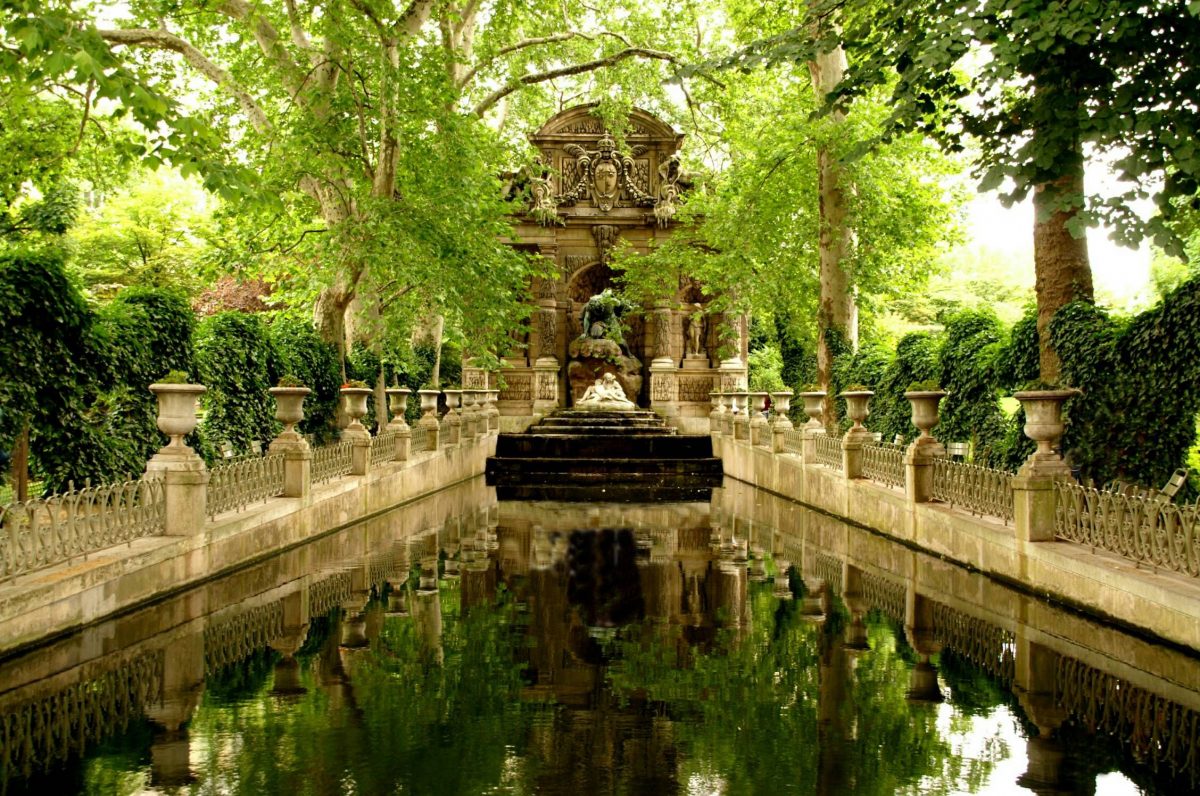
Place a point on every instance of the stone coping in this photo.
(65, 597)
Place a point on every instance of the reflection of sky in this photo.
(999, 729)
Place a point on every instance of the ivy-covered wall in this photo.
(235, 358)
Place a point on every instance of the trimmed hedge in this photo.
(235, 355)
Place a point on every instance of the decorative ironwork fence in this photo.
(980, 490)
(829, 450)
(420, 439)
(1148, 531)
(383, 448)
(988, 646)
(46, 531)
(829, 569)
(236, 484)
(793, 441)
(1155, 729)
(884, 463)
(331, 461)
(40, 732)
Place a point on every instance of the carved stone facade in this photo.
(588, 194)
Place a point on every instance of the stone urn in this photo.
(177, 412)
(781, 402)
(289, 408)
(429, 402)
(814, 405)
(757, 404)
(398, 406)
(925, 413)
(453, 400)
(857, 402)
(1044, 425)
(355, 401)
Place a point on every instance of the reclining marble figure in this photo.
(605, 393)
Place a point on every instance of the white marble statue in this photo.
(605, 393)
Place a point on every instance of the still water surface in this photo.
(461, 646)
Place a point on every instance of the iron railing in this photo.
(980, 490)
(1148, 531)
(884, 463)
(420, 439)
(46, 531)
(829, 450)
(234, 485)
(332, 461)
(793, 441)
(383, 448)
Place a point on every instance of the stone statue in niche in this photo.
(601, 348)
(695, 334)
(605, 393)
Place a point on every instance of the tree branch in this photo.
(268, 40)
(576, 69)
(299, 37)
(162, 40)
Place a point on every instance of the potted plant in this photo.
(814, 404)
(857, 398)
(1043, 404)
(176, 408)
(925, 397)
(289, 394)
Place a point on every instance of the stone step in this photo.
(613, 431)
(592, 420)
(590, 469)
(618, 446)
(612, 493)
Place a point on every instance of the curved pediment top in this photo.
(578, 122)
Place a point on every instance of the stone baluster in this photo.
(759, 428)
(923, 452)
(858, 436)
(429, 418)
(493, 410)
(398, 403)
(782, 424)
(297, 454)
(1033, 486)
(741, 421)
(354, 401)
(453, 417)
(715, 420)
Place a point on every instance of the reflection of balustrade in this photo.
(829, 569)
(234, 485)
(1148, 531)
(988, 646)
(884, 594)
(46, 531)
(980, 490)
(828, 450)
(332, 461)
(328, 593)
(1163, 733)
(232, 639)
(884, 463)
(37, 733)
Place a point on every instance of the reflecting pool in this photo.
(463, 646)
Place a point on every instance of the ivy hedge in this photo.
(235, 356)
(300, 352)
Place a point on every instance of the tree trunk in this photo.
(435, 377)
(836, 310)
(20, 465)
(1062, 270)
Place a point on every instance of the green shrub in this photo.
(971, 412)
(916, 361)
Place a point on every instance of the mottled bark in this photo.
(1061, 265)
(836, 308)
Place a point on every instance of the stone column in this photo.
(185, 489)
(760, 431)
(741, 422)
(919, 461)
(1033, 508)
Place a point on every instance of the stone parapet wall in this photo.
(66, 597)
(1163, 604)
